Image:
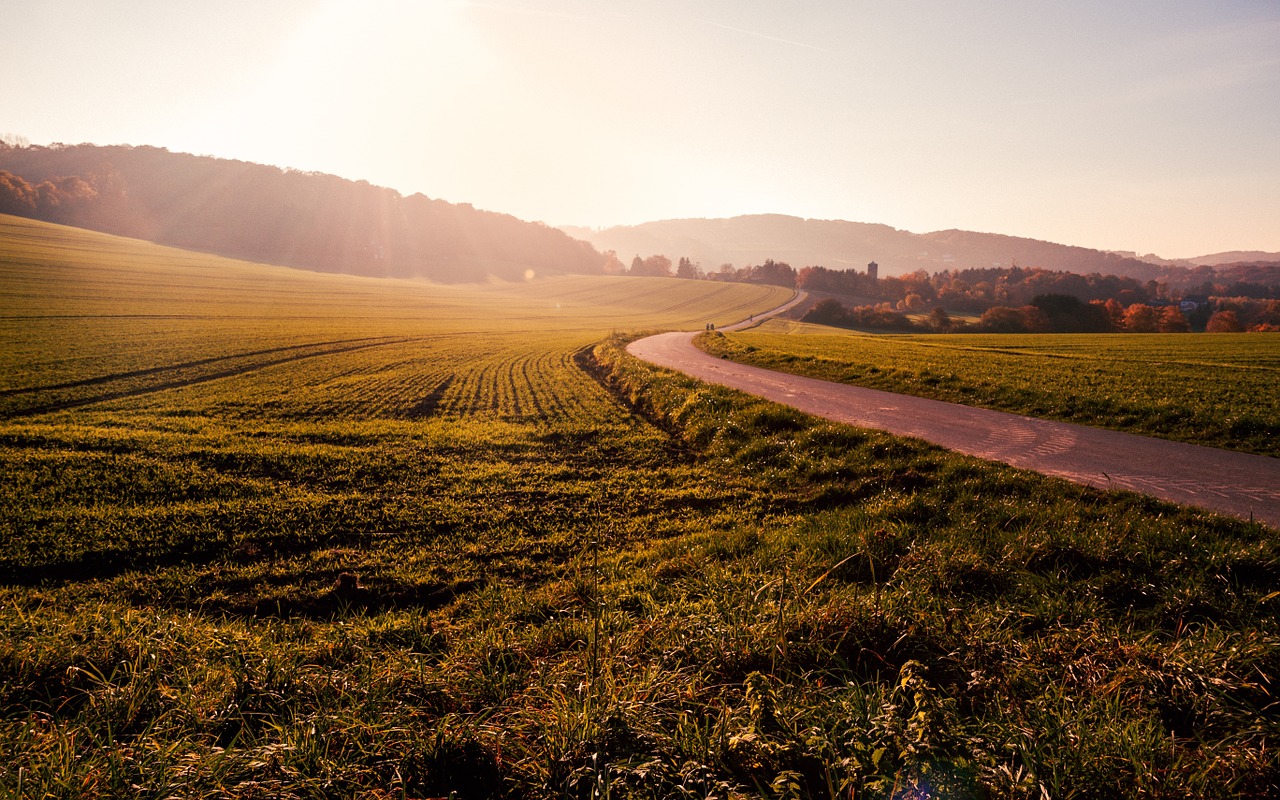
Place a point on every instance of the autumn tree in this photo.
(686, 269)
(1115, 313)
(1035, 320)
(1002, 319)
(776, 273)
(655, 266)
(1223, 322)
(1268, 317)
(1140, 318)
(912, 302)
(612, 266)
(828, 312)
(1172, 321)
(16, 196)
(658, 265)
(880, 316)
(1069, 314)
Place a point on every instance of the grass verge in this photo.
(1215, 390)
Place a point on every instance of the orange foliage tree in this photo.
(1224, 322)
(1140, 318)
(1172, 321)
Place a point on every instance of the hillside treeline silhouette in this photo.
(841, 244)
(263, 213)
(978, 289)
(1231, 297)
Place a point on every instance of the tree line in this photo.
(1064, 314)
(1061, 314)
(1237, 297)
(263, 213)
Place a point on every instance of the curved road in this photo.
(1238, 484)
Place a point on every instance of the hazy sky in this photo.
(1148, 125)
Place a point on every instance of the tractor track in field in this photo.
(142, 373)
(316, 350)
(1242, 485)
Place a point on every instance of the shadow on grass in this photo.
(348, 596)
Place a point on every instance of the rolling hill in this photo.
(838, 244)
(267, 214)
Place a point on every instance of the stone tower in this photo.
(873, 271)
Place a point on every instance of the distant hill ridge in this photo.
(267, 214)
(323, 222)
(839, 244)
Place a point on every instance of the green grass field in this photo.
(1218, 390)
(576, 575)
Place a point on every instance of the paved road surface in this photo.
(1238, 484)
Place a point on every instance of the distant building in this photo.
(1192, 303)
(873, 271)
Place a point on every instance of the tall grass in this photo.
(660, 589)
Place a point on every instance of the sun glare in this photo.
(352, 74)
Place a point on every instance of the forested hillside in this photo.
(839, 244)
(263, 213)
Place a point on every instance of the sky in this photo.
(1143, 125)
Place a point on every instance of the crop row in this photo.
(497, 376)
